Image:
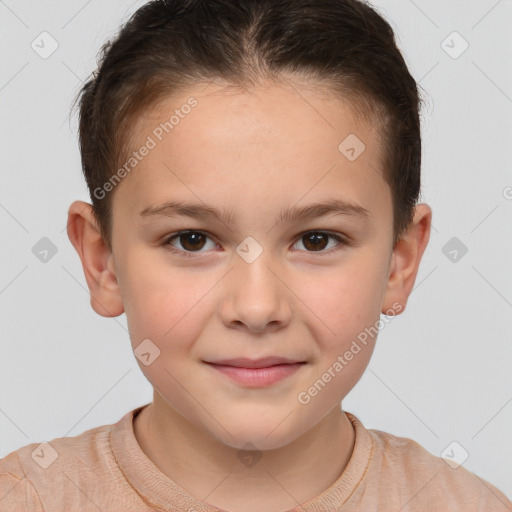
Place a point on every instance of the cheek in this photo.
(344, 301)
(165, 307)
(163, 304)
(344, 323)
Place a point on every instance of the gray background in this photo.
(441, 371)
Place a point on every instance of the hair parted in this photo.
(342, 46)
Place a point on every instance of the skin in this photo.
(253, 153)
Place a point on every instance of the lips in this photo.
(266, 362)
(256, 373)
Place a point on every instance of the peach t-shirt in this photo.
(104, 469)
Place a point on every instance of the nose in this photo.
(256, 297)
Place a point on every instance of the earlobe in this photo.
(406, 258)
(96, 258)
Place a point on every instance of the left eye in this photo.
(316, 240)
(193, 241)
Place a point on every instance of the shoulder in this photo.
(429, 480)
(16, 491)
(30, 472)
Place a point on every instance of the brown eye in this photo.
(190, 241)
(315, 241)
(318, 241)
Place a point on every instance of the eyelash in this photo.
(195, 254)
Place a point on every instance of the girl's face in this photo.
(262, 272)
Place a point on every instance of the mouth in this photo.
(265, 362)
(256, 372)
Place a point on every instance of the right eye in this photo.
(191, 241)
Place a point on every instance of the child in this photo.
(261, 129)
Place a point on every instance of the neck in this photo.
(232, 479)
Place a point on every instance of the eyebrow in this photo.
(311, 211)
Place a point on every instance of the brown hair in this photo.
(167, 45)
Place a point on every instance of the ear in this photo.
(97, 260)
(406, 258)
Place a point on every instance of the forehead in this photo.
(274, 143)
